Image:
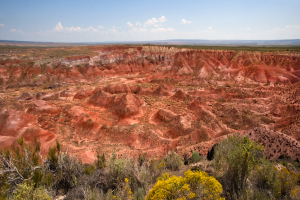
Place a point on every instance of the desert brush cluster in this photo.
(238, 170)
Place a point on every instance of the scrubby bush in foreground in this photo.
(235, 157)
(245, 174)
(265, 180)
(173, 161)
(26, 191)
(195, 185)
(195, 156)
(23, 163)
(239, 166)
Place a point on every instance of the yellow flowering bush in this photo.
(124, 192)
(194, 185)
(295, 193)
(204, 185)
(127, 189)
(156, 166)
(288, 181)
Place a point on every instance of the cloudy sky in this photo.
(144, 20)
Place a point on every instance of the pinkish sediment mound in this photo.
(165, 115)
(45, 137)
(127, 105)
(102, 99)
(47, 96)
(162, 90)
(117, 88)
(76, 112)
(93, 71)
(74, 73)
(82, 94)
(26, 96)
(197, 107)
(181, 66)
(179, 95)
(12, 121)
(66, 93)
(43, 107)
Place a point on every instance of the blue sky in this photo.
(124, 20)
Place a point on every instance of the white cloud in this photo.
(138, 23)
(140, 33)
(183, 21)
(71, 29)
(287, 32)
(156, 30)
(16, 31)
(246, 29)
(58, 27)
(139, 29)
(91, 29)
(162, 19)
(113, 30)
(288, 27)
(101, 27)
(154, 21)
(1, 25)
(129, 24)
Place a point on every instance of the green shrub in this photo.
(26, 191)
(284, 163)
(156, 166)
(52, 156)
(58, 146)
(37, 177)
(100, 162)
(235, 157)
(35, 160)
(116, 168)
(195, 156)
(288, 181)
(17, 166)
(89, 169)
(94, 194)
(124, 191)
(173, 161)
(20, 141)
(47, 180)
(109, 195)
(265, 179)
(139, 195)
(67, 173)
(142, 159)
(257, 194)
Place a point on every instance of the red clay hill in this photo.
(151, 99)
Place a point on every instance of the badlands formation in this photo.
(150, 99)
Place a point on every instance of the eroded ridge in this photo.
(136, 99)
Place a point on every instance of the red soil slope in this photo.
(154, 99)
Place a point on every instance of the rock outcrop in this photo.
(43, 107)
(127, 105)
